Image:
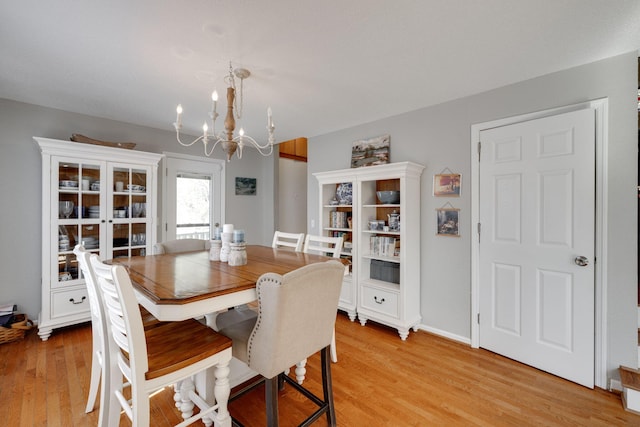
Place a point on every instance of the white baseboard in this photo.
(445, 334)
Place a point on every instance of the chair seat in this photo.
(175, 345)
(239, 333)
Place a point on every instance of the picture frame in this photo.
(447, 185)
(246, 186)
(370, 152)
(448, 222)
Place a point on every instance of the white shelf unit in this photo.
(329, 182)
(110, 223)
(383, 301)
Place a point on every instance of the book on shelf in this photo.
(384, 246)
(339, 219)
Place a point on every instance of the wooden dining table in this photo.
(180, 286)
(186, 285)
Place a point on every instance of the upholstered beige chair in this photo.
(288, 240)
(169, 353)
(296, 318)
(180, 245)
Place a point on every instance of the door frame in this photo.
(214, 163)
(600, 106)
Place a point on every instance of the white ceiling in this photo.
(321, 65)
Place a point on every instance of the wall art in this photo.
(447, 185)
(246, 186)
(448, 220)
(370, 152)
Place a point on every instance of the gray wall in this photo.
(20, 188)
(291, 213)
(439, 137)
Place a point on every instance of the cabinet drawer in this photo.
(69, 302)
(382, 301)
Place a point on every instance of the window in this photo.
(193, 213)
(193, 196)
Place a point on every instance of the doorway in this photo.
(598, 363)
(193, 196)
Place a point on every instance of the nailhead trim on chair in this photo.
(259, 319)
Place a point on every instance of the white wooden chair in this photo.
(180, 245)
(289, 307)
(323, 245)
(100, 360)
(99, 339)
(288, 240)
(171, 352)
(329, 246)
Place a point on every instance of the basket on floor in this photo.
(17, 330)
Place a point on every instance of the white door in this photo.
(193, 196)
(536, 251)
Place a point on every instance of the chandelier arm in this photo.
(255, 144)
(187, 144)
(212, 147)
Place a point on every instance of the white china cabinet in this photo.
(101, 196)
(384, 284)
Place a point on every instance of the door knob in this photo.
(581, 261)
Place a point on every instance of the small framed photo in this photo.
(447, 185)
(448, 222)
(246, 186)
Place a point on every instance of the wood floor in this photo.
(379, 380)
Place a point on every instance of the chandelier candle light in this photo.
(225, 138)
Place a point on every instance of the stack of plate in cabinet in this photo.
(94, 211)
(90, 242)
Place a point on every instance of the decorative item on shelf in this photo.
(388, 197)
(394, 220)
(76, 137)
(344, 193)
(370, 152)
(447, 184)
(448, 219)
(65, 209)
(230, 144)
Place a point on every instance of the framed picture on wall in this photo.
(246, 186)
(370, 152)
(448, 220)
(447, 185)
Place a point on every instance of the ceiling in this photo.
(320, 65)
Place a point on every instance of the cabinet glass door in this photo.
(128, 210)
(76, 204)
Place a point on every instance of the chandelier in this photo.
(230, 144)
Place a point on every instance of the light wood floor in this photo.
(378, 381)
